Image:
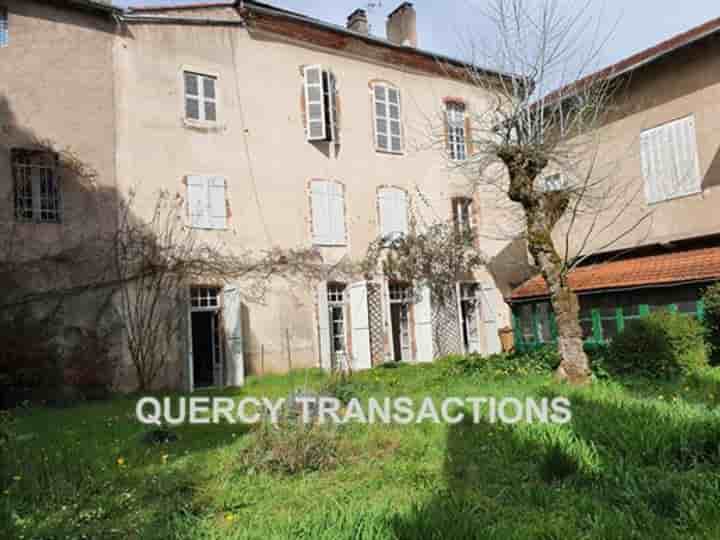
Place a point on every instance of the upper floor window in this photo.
(669, 160)
(4, 27)
(462, 209)
(206, 199)
(552, 182)
(320, 104)
(387, 114)
(37, 192)
(456, 143)
(393, 208)
(200, 97)
(328, 213)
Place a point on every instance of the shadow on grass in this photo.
(618, 457)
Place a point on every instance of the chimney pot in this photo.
(358, 22)
(402, 25)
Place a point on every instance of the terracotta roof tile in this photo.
(684, 266)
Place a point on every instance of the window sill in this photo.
(202, 125)
(677, 197)
(389, 152)
(328, 245)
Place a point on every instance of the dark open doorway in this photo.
(205, 344)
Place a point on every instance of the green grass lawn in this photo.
(639, 460)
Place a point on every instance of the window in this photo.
(388, 126)
(552, 182)
(462, 209)
(328, 213)
(206, 202)
(320, 104)
(200, 97)
(37, 193)
(669, 160)
(455, 113)
(336, 305)
(392, 205)
(4, 28)
(205, 297)
(400, 293)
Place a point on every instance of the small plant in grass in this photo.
(661, 345)
(539, 361)
(292, 447)
(711, 301)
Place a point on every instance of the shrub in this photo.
(711, 301)
(292, 447)
(538, 361)
(662, 344)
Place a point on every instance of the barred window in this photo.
(37, 190)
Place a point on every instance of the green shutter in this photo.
(597, 326)
(701, 310)
(619, 319)
(644, 310)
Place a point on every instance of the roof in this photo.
(266, 10)
(642, 58)
(93, 5)
(694, 265)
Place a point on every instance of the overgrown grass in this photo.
(638, 460)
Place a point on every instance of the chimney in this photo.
(402, 25)
(358, 22)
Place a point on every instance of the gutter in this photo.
(158, 19)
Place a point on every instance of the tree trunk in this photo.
(574, 365)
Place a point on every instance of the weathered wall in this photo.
(260, 148)
(682, 83)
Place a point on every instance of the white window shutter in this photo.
(197, 187)
(385, 206)
(336, 205)
(217, 207)
(322, 233)
(423, 326)
(361, 358)
(234, 355)
(314, 104)
(324, 326)
(401, 211)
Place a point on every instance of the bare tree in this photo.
(537, 147)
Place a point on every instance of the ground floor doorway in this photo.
(470, 317)
(400, 301)
(206, 337)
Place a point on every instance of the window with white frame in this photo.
(393, 209)
(200, 97)
(669, 160)
(205, 297)
(387, 114)
(462, 209)
(206, 198)
(455, 113)
(320, 104)
(4, 27)
(36, 185)
(336, 306)
(328, 213)
(552, 182)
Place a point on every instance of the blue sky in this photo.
(443, 25)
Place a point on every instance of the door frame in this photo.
(478, 313)
(220, 346)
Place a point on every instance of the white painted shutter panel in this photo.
(217, 207)
(322, 232)
(385, 205)
(423, 326)
(197, 187)
(489, 315)
(336, 205)
(324, 326)
(401, 212)
(686, 158)
(314, 104)
(232, 318)
(360, 320)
